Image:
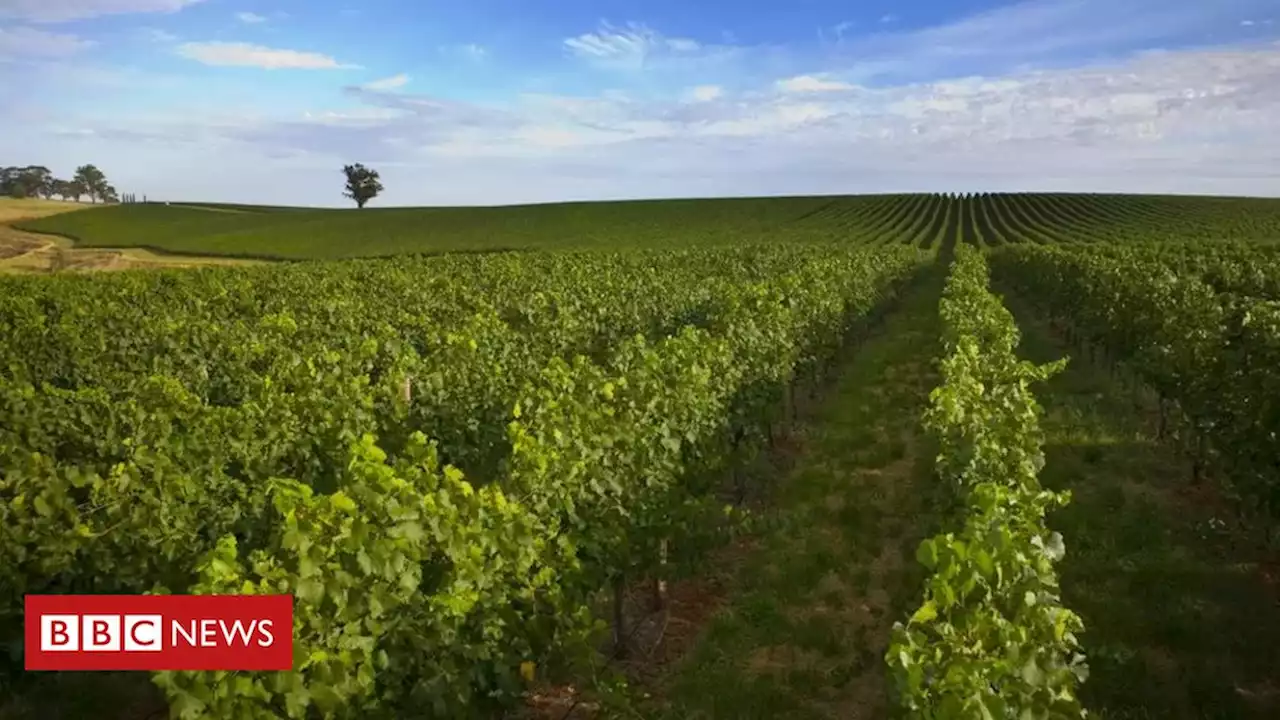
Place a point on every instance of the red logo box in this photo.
(159, 632)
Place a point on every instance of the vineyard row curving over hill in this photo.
(454, 462)
(924, 220)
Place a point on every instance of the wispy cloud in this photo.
(705, 93)
(26, 43)
(53, 11)
(238, 54)
(250, 18)
(811, 84)
(630, 46)
(389, 83)
(1071, 84)
(1043, 33)
(1200, 117)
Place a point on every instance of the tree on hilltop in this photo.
(26, 182)
(93, 181)
(39, 181)
(362, 183)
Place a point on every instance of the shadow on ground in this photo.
(1179, 620)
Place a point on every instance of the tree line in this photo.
(38, 181)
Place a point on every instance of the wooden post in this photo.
(619, 620)
(739, 484)
(660, 582)
(1164, 418)
(1198, 461)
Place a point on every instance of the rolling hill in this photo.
(984, 219)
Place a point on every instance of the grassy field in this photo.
(16, 246)
(328, 234)
(26, 252)
(989, 220)
(13, 210)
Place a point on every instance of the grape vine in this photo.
(992, 638)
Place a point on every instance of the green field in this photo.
(1007, 456)
(923, 220)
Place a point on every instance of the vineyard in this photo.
(926, 221)
(980, 456)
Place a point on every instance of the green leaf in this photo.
(927, 554)
(927, 612)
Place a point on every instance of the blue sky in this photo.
(503, 101)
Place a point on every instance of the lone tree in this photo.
(92, 181)
(362, 184)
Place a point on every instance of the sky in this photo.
(487, 102)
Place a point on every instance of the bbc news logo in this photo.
(159, 632)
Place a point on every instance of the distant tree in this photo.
(362, 184)
(25, 182)
(9, 185)
(74, 190)
(93, 181)
(109, 194)
(40, 180)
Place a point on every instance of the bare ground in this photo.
(24, 252)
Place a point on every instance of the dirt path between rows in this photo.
(1180, 622)
(808, 612)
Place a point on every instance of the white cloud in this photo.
(885, 19)
(1039, 33)
(705, 93)
(390, 83)
(811, 84)
(53, 11)
(250, 18)
(26, 43)
(632, 46)
(358, 116)
(1187, 121)
(237, 54)
(1247, 23)
(998, 101)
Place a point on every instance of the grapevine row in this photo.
(995, 219)
(307, 430)
(1211, 356)
(992, 637)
